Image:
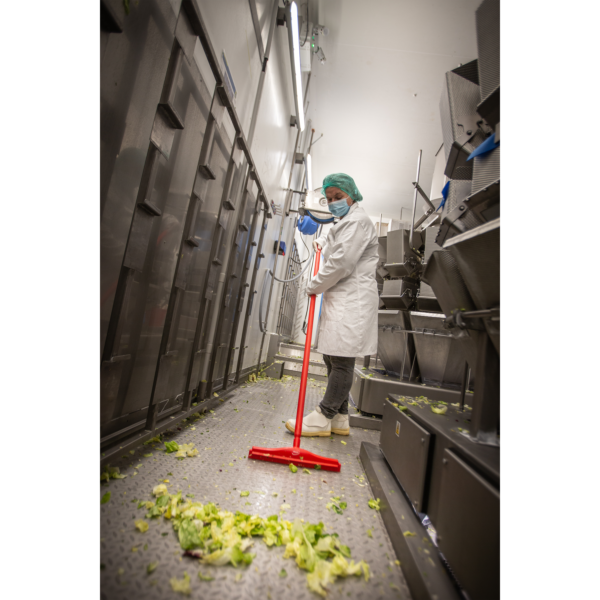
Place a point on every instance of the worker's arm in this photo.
(350, 243)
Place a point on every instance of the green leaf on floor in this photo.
(181, 585)
(244, 494)
(105, 498)
(283, 573)
(204, 577)
(141, 525)
(374, 504)
(293, 468)
(171, 447)
(152, 567)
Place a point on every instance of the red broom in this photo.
(294, 455)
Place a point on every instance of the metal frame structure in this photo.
(189, 345)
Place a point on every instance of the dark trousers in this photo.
(339, 381)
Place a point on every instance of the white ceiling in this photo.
(376, 97)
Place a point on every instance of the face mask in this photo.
(339, 208)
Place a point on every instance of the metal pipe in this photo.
(464, 384)
(404, 357)
(261, 80)
(225, 279)
(262, 342)
(412, 366)
(412, 226)
(243, 284)
(250, 300)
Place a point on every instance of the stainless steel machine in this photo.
(437, 467)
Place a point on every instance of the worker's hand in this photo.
(316, 247)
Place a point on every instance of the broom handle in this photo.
(304, 376)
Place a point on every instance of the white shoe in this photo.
(314, 424)
(340, 424)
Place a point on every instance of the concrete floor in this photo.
(252, 415)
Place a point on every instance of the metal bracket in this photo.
(451, 223)
(207, 172)
(110, 20)
(478, 203)
(150, 208)
(425, 196)
(471, 319)
(281, 16)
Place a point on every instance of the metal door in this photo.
(141, 360)
(133, 68)
(233, 283)
(251, 220)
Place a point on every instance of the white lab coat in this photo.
(348, 323)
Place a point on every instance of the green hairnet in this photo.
(344, 182)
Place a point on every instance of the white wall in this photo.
(230, 27)
(378, 92)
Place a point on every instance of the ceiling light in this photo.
(294, 40)
(309, 172)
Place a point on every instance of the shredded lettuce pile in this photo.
(219, 537)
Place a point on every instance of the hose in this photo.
(262, 323)
(316, 219)
(293, 278)
(301, 262)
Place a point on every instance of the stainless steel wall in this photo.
(185, 196)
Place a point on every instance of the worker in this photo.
(348, 323)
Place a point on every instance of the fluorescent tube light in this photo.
(294, 40)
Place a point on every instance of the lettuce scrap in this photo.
(374, 504)
(205, 577)
(181, 585)
(171, 447)
(156, 439)
(109, 473)
(218, 537)
(160, 490)
(141, 525)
